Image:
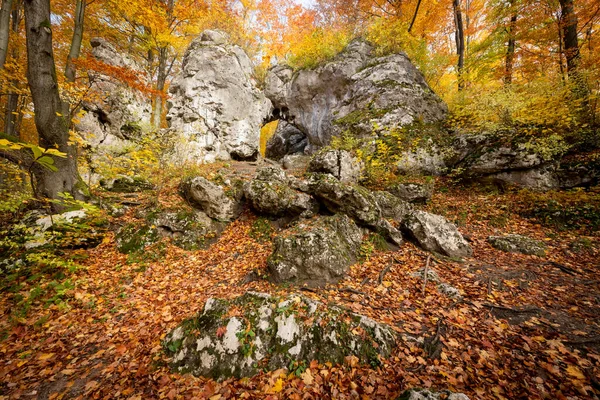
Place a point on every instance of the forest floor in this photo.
(526, 326)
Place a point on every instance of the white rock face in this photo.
(216, 110)
(355, 91)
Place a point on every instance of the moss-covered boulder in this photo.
(243, 336)
(270, 194)
(189, 230)
(316, 251)
(518, 244)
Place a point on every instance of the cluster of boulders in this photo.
(325, 215)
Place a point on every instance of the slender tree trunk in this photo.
(460, 42)
(76, 41)
(4, 30)
(12, 102)
(51, 118)
(161, 81)
(568, 20)
(510, 50)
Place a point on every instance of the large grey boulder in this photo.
(339, 163)
(256, 331)
(357, 91)
(316, 251)
(270, 194)
(216, 110)
(119, 115)
(287, 140)
(222, 203)
(435, 233)
(518, 244)
(353, 200)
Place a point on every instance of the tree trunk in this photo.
(568, 20)
(460, 42)
(10, 113)
(76, 41)
(510, 50)
(161, 81)
(4, 30)
(51, 118)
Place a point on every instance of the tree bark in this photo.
(568, 20)
(76, 41)
(12, 103)
(51, 118)
(460, 42)
(510, 49)
(161, 81)
(4, 30)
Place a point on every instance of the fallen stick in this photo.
(425, 273)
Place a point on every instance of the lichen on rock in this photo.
(240, 337)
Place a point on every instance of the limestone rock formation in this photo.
(268, 331)
(339, 163)
(216, 110)
(315, 251)
(356, 90)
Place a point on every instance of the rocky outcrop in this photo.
(269, 194)
(339, 163)
(287, 140)
(266, 332)
(518, 244)
(117, 119)
(392, 207)
(356, 90)
(435, 233)
(220, 202)
(216, 111)
(297, 162)
(315, 251)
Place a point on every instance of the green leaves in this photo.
(41, 155)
